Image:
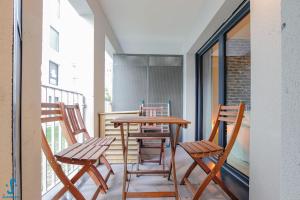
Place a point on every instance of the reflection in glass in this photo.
(238, 88)
(210, 86)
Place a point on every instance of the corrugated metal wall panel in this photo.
(153, 78)
(165, 84)
(129, 82)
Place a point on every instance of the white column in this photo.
(189, 96)
(266, 119)
(290, 105)
(31, 99)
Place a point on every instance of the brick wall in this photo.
(238, 80)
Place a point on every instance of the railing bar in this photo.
(54, 96)
(45, 128)
(61, 89)
(60, 137)
(53, 149)
(44, 180)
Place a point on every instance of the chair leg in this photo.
(69, 184)
(211, 175)
(217, 180)
(173, 149)
(93, 171)
(188, 172)
(203, 185)
(107, 164)
(139, 157)
(161, 151)
(164, 158)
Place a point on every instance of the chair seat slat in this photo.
(68, 149)
(98, 153)
(202, 148)
(91, 153)
(207, 145)
(90, 141)
(217, 147)
(194, 149)
(111, 140)
(83, 152)
(76, 151)
(102, 141)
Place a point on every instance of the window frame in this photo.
(51, 63)
(52, 29)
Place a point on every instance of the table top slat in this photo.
(145, 119)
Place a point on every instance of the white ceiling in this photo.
(155, 26)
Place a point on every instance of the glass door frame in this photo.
(218, 37)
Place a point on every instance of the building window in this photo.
(53, 73)
(54, 39)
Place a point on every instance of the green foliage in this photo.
(107, 95)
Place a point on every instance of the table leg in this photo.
(175, 145)
(125, 162)
(172, 165)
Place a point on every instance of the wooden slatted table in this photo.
(120, 122)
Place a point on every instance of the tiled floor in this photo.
(154, 183)
(148, 183)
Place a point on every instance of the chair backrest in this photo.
(229, 114)
(50, 112)
(72, 116)
(153, 110)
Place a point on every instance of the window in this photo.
(54, 39)
(53, 73)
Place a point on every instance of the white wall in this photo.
(290, 106)
(6, 41)
(216, 14)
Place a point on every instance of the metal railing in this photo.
(54, 134)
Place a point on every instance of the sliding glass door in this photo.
(224, 77)
(210, 81)
(238, 89)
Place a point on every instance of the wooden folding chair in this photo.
(75, 125)
(85, 154)
(207, 148)
(152, 142)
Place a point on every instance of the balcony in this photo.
(198, 54)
